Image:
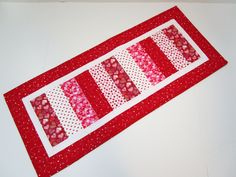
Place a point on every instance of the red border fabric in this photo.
(47, 166)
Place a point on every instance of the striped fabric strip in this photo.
(170, 50)
(64, 111)
(133, 70)
(189, 53)
(93, 93)
(107, 86)
(147, 65)
(120, 78)
(48, 119)
(158, 57)
(79, 102)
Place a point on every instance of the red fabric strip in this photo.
(158, 56)
(93, 94)
(189, 53)
(120, 78)
(48, 119)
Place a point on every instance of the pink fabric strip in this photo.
(79, 102)
(48, 119)
(189, 53)
(146, 64)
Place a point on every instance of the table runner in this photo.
(68, 111)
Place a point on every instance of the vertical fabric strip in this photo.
(133, 70)
(170, 50)
(146, 64)
(48, 119)
(107, 86)
(64, 111)
(120, 78)
(93, 94)
(79, 102)
(158, 57)
(189, 53)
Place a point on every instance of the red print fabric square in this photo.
(92, 97)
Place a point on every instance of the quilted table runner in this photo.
(68, 111)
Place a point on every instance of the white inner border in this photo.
(71, 139)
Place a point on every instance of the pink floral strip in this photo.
(79, 102)
(146, 64)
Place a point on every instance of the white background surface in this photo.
(193, 135)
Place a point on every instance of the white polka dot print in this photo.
(133, 70)
(64, 111)
(169, 49)
(107, 86)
